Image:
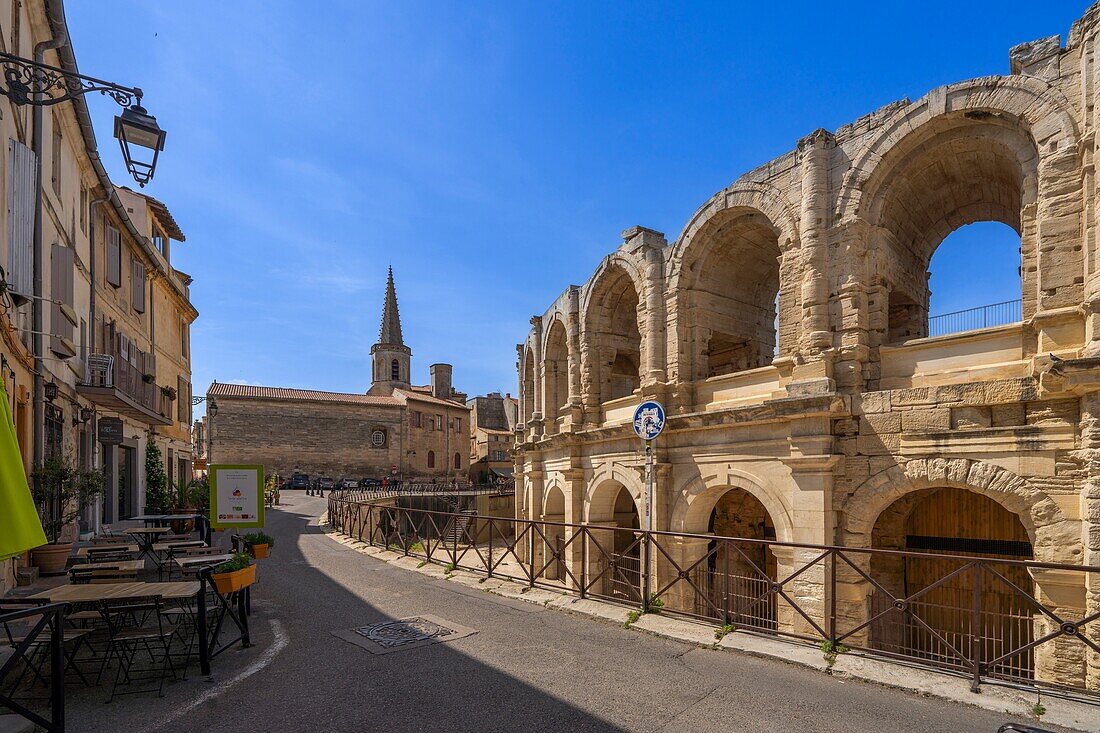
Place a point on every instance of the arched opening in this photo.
(615, 335)
(937, 623)
(431, 459)
(737, 573)
(395, 370)
(527, 387)
(458, 461)
(615, 554)
(961, 302)
(955, 171)
(554, 542)
(732, 287)
(556, 375)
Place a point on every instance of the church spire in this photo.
(390, 333)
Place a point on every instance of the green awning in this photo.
(20, 527)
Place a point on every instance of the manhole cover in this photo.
(403, 633)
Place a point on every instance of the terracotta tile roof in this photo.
(415, 394)
(222, 389)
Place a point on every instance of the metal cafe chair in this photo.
(37, 653)
(81, 575)
(109, 553)
(126, 636)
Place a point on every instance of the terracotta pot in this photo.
(236, 580)
(52, 559)
(182, 526)
(259, 551)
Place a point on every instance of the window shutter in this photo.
(21, 181)
(61, 292)
(181, 395)
(137, 283)
(114, 257)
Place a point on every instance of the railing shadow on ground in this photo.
(975, 616)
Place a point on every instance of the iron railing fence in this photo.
(989, 619)
(372, 493)
(36, 636)
(971, 319)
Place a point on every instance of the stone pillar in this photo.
(574, 514)
(814, 523)
(815, 152)
(573, 328)
(1059, 232)
(1062, 659)
(1090, 452)
(535, 482)
(648, 245)
(535, 423)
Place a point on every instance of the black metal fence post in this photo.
(645, 571)
(200, 623)
(976, 631)
(531, 553)
(584, 561)
(57, 673)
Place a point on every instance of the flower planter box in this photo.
(236, 580)
(259, 551)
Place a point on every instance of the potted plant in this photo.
(233, 575)
(259, 544)
(186, 497)
(157, 497)
(61, 493)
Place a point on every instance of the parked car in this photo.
(347, 483)
(369, 483)
(324, 483)
(299, 481)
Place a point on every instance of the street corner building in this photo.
(811, 399)
(90, 293)
(395, 429)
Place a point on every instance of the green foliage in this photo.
(157, 495)
(188, 495)
(240, 561)
(632, 618)
(421, 564)
(830, 652)
(62, 493)
(723, 630)
(416, 547)
(655, 603)
(450, 568)
(1039, 709)
(259, 538)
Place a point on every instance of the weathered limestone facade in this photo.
(856, 408)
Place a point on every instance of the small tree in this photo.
(62, 493)
(156, 480)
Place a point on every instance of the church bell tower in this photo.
(390, 358)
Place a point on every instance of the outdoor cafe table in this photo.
(82, 552)
(145, 537)
(173, 591)
(198, 561)
(162, 551)
(126, 566)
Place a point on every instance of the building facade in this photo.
(77, 283)
(395, 429)
(492, 425)
(810, 398)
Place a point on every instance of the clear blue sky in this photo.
(491, 153)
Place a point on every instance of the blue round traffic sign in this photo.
(649, 420)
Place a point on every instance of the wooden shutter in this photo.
(114, 257)
(21, 182)
(137, 284)
(61, 292)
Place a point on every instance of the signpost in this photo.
(236, 496)
(109, 430)
(649, 421)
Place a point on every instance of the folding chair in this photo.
(127, 635)
(14, 633)
(82, 575)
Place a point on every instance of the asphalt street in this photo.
(527, 668)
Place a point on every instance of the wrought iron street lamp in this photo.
(30, 82)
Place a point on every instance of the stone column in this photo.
(1090, 453)
(573, 328)
(574, 515)
(1062, 659)
(814, 523)
(534, 427)
(815, 152)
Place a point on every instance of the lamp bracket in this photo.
(24, 79)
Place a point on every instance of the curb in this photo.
(910, 678)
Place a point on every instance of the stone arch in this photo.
(733, 264)
(553, 504)
(599, 498)
(695, 500)
(613, 341)
(527, 386)
(1042, 108)
(556, 355)
(1052, 535)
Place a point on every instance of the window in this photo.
(114, 257)
(55, 162)
(55, 427)
(83, 209)
(158, 242)
(458, 425)
(439, 422)
(183, 400)
(378, 438)
(431, 459)
(418, 419)
(458, 460)
(137, 285)
(395, 371)
(61, 311)
(183, 338)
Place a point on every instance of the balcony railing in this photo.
(110, 370)
(972, 319)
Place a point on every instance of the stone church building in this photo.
(810, 396)
(394, 429)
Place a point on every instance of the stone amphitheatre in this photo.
(810, 398)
